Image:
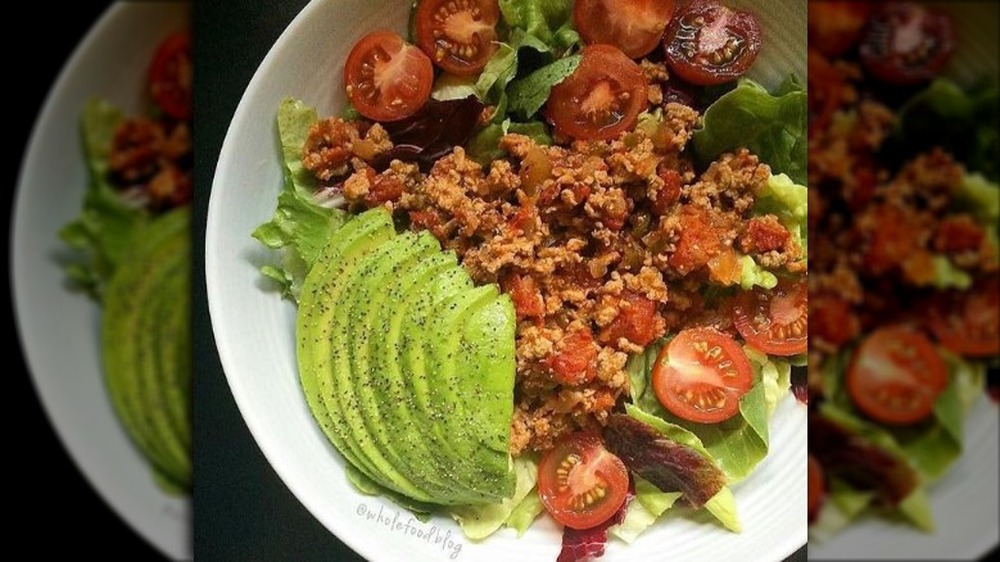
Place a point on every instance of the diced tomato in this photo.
(671, 192)
(524, 292)
(637, 321)
(575, 361)
(699, 241)
(765, 234)
(831, 320)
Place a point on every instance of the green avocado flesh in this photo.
(146, 346)
(408, 367)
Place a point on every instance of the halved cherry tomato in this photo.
(581, 483)
(907, 43)
(968, 322)
(895, 376)
(816, 487)
(170, 75)
(602, 98)
(708, 43)
(387, 79)
(775, 320)
(460, 36)
(701, 375)
(634, 26)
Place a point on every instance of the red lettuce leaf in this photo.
(432, 132)
(668, 465)
(580, 545)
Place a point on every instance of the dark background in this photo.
(56, 512)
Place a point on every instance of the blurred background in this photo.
(52, 495)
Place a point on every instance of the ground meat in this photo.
(333, 142)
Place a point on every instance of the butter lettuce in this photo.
(104, 230)
(772, 126)
(301, 224)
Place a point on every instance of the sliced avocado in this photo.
(427, 463)
(365, 290)
(454, 379)
(320, 294)
(144, 296)
(398, 356)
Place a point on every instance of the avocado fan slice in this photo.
(350, 332)
(318, 301)
(485, 473)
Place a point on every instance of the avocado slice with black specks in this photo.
(317, 305)
(393, 363)
(364, 288)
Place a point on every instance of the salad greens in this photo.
(105, 228)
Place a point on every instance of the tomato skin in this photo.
(170, 74)
(579, 465)
(906, 43)
(438, 28)
(708, 43)
(386, 78)
(896, 375)
(774, 320)
(601, 99)
(634, 26)
(968, 322)
(701, 376)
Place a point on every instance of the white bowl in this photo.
(254, 328)
(59, 329)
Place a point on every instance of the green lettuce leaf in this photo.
(527, 95)
(843, 504)
(300, 225)
(738, 444)
(771, 126)
(525, 513)
(488, 86)
(649, 503)
(979, 196)
(775, 376)
(753, 275)
(104, 230)
(722, 505)
(549, 23)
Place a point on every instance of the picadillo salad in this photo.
(132, 255)
(550, 258)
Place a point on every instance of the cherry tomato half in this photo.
(775, 320)
(170, 75)
(906, 43)
(459, 36)
(968, 322)
(895, 376)
(708, 43)
(601, 99)
(701, 375)
(634, 26)
(581, 483)
(387, 79)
